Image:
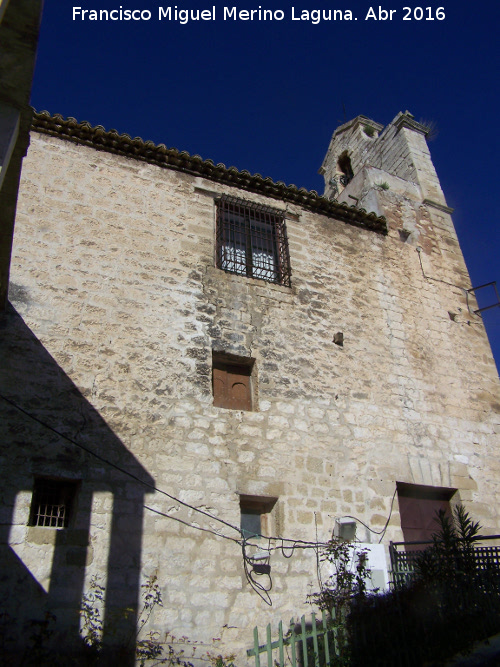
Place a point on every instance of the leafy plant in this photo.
(369, 131)
(383, 186)
(451, 558)
(90, 614)
(347, 581)
(347, 584)
(150, 647)
(171, 651)
(221, 660)
(453, 600)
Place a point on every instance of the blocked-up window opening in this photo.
(52, 503)
(252, 240)
(255, 516)
(418, 506)
(232, 382)
(251, 524)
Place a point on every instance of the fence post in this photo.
(280, 640)
(269, 647)
(314, 631)
(320, 633)
(256, 646)
(304, 640)
(335, 631)
(292, 641)
(325, 635)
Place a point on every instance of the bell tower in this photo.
(388, 170)
(364, 156)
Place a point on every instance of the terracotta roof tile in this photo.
(170, 158)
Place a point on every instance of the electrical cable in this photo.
(318, 568)
(191, 525)
(119, 468)
(375, 532)
(439, 280)
(282, 548)
(296, 544)
(261, 590)
(389, 517)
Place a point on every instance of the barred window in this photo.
(52, 503)
(252, 241)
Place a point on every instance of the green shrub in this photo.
(452, 602)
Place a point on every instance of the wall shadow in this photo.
(42, 570)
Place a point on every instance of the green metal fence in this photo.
(404, 555)
(311, 643)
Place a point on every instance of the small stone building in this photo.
(206, 373)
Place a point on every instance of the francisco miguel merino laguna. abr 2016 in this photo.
(184, 16)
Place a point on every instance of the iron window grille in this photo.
(252, 241)
(52, 503)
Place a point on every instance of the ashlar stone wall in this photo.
(117, 307)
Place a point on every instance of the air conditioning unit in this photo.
(376, 562)
(345, 529)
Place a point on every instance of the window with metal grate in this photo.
(52, 503)
(252, 240)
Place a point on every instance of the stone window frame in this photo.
(257, 506)
(252, 241)
(234, 382)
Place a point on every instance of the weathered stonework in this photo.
(117, 306)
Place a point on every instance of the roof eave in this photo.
(111, 141)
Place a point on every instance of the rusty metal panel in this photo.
(231, 386)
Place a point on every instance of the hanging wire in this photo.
(375, 532)
(295, 544)
(119, 468)
(318, 569)
(191, 525)
(262, 591)
(282, 549)
(282, 543)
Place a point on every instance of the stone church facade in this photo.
(205, 372)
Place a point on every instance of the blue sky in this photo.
(266, 96)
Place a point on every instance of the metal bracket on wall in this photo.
(475, 289)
